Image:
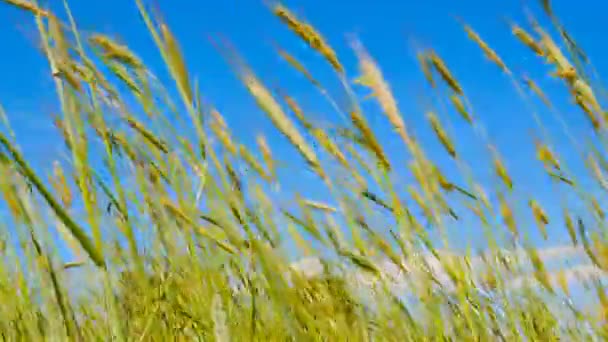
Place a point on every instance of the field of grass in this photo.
(162, 225)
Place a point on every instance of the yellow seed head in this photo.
(272, 108)
(445, 73)
(502, 173)
(28, 6)
(459, 105)
(308, 34)
(507, 216)
(545, 155)
(489, 52)
(116, 51)
(527, 39)
(570, 227)
(539, 216)
(441, 134)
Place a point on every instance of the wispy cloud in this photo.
(429, 265)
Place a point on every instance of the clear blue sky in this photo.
(27, 93)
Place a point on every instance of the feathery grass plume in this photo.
(28, 6)
(176, 63)
(272, 108)
(540, 217)
(580, 89)
(295, 108)
(320, 206)
(65, 73)
(308, 34)
(372, 78)
(202, 231)
(57, 34)
(444, 72)
(449, 186)
(596, 207)
(570, 227)
(482, 196)
(426, 209)
(501, 169)
(590, 114)
(266, 154)
(527, 39)
(425, 65)
(540, 272)
(369, 139)
(330, 146)
(546, 156)
(61, 186)
(487, 50)
(554, 55)
(115, 51)
(220, 129)
(534, 87)
(297, 65)
(460, 108)
(9, 192)
(253, 163)
(441, 134)
(83, 72)
(597, 172)
(546, 4)
(148, 136)
(562, 281)
(507, 216)
(360, 162)
(361, 261)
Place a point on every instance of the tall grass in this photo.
(179, 234)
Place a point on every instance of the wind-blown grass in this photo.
(171, 238)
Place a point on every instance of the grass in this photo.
(177, 242)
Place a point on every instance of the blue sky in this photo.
(384, 27)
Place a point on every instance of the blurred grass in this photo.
(180, 243)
